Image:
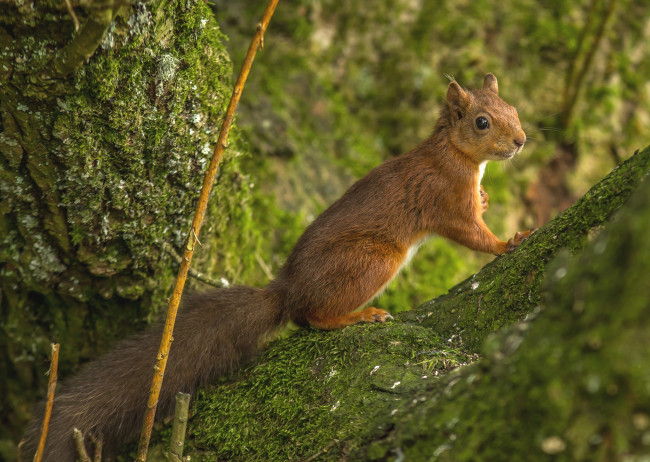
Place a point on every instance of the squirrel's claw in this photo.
(519, 237)
(373, 314)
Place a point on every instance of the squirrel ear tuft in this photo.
(456, 97)
(490, 83)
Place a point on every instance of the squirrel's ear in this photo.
(457, 99)
(490, 83)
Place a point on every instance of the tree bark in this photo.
(568, 381)
(105, 133)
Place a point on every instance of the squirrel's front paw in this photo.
(520, 236)
(484, 199)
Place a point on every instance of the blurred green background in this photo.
(341, 86)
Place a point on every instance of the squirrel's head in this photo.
(482, 125)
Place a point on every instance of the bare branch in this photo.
(181, 412)
(199, 276)
(578, 72)
(72, 14)
(51, 386)
(83, 45)
(78, 437)
(98, 441)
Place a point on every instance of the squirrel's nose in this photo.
(520, 140)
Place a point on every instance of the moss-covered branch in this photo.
(570, 384)
(83, 45)
(560, 384)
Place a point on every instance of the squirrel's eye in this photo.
(482, 123)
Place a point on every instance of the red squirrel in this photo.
(345, 257)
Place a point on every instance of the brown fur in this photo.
(214, 332)
(343, 260)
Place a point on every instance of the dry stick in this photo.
(322, 451)
(98, 442)
(181, 412)
(83, 45)
(51, 385)
(199, 276)
(264, 266)
(72, 14)
(78, 437)
(165, 342)
(572, 71)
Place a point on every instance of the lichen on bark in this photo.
(101, 163)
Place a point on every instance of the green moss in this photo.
(318, 390)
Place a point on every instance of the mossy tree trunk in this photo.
(104, 135)
(567, 383)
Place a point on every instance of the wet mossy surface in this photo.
(568, 382)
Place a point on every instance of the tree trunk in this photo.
(570, 381)
(105, 133)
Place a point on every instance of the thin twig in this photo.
(98, 442)
(208, 180)
(20, 451)
(264, 266)
(181, 413)
(572, 71)
(82, 46)
(577, 75)
(51, 385)
(219, 283)
(322, 451)
(72, 14)
(78, 438)
(87, 5)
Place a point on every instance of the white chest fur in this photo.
(481, 171)
(411, 252)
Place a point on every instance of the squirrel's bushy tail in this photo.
(215, 332)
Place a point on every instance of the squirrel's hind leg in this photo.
(370, 314)
(325, 291)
